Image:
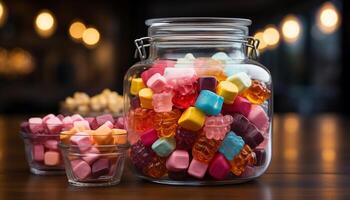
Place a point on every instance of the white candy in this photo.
(241, 80)
(185, 62)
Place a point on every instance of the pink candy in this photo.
(162, 102)
(51, 144)
(240, 105)
(82, 125)
(91, 155)
(259, 118)
(197, 169)
(216, 127)
(82, 140)
(104, 118)
(77, 117)
(36, 125)
(48, 117)
(179, 77)
(81, 169)
(178, 161)
(149, 137)
(157, 83)
(219, 167)
(54, 125)
(67, 123)
(52, 158)
(38, 152)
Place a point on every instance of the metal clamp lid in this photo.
(250, 42)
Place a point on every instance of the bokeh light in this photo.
(291, 28)
(328, 18)
(76, 30)
(271, 36)
(262, 44)
(16, 62)
(45, 24)
(3, 13)
(91, 36)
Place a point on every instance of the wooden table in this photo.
(311, 160)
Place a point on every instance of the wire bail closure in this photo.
(251, 43)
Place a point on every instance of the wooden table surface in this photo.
(311, 160)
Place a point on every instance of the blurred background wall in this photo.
(49, 49)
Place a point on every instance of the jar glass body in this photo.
(198, 110)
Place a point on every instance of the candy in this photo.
(146, 95)
(178, 161)
(241, 80)
(66, 135)
(209, 102)
(104, 118)
(240, 105)
(100, 167)
(141, 119)
(186, 61)
(146, 75)
(51, 158)
(162, 102)
(207, 83)
(51, 144)
(140, 155)
(216, 127)
(82, 140)
(36, 125)
(136, 85)
(242, 160)
(179, 77)
(149, 137)
(192, 119)
(204, 149)
(210, 67)
(164, 146)
(259, 118)
(67, 123)
(92, 122)
(157, 83)
(48, 116)
(197, 169)
(135, 102)
(119, 123)
(120, 136)
(54, 125)
(219, 167)
(228, 91)
(81, 125)
(257, 93)
(91, 155)
(185, 96)
(38, 152)
(155, 168)
(166, 122)
(81, 169)
(103, 135)
(260, 157)
(231, 145)
(244, 128)
(185, 139)
(77, 117)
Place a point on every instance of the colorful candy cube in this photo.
(82, 140)
(192, 119)
(146, 95)
(36, 125)
(207, 83)
(164, 146)
(149, 137)
(51, 144)
(240, 105)
(162, 102)
(38, 152)
(231, 145)
(52, 158)
(209, 102)
(103, 135)
(157, 83)
(67, 123)
(120, 136)
(81, 125)
(136, 85)
(104, 118)
(54, 125)
(146, 75)
(228, 91)
(91, 155)
(100, 167)
(178, 161)
(219, 167)
(81, 169)
(241, 80)
(259, 118)
(77, 117)
(197, 169)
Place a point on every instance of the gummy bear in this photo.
(185, 139)
(204, 149)
(155, 168)
(216, 127)
(166, 122)
(245, 158)
(257, 93)
(210, 67)
(185, 96)
(141, 155)
(162, 102)
(140, 119)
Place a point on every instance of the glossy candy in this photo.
(241, 80)
(166, 122)
(228, 91)
(149, 137)
(197, 169)
(259, 118)
(192, 119)
(185, 96)
(162, 102)
(141, 119)
(81, 169)
(216, 127)
(52, 158)
(185, 139)
(178, 161)
(219, 167)
(242, 160)
(204, 149)
(146, 96)
(136, 85)
(207, 83)
(155, 168)
(180, 77)
(240, 105)
(140, 155)
(257, 93)
(209, 102)
(100, 167)
(231, 145)
(164, 146)
(157, 83)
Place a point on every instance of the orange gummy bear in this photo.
(166, 122)
(244, 158)
(156, 168)
(257, 93)
(141, 119)
(204, 149)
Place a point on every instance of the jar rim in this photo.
(216, 20)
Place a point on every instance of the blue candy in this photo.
(164, 146)
(209, 102)
(231, 146)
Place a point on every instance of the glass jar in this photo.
(198, 109)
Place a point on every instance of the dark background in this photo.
(309, 78)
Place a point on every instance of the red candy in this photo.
(185, 96)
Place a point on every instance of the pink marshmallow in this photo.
(91, 155)
(259, 118)
(149, 137)
(92, 121)
(36, 125)
(119, 123)
(81, 169)
(77, 117)
(60, 116)
(219, 167)
(49, 116)
(104, 118)
(150, 72)
(52, 158)
(54, 125)
(157, 83)
(67, 123)
(197, 169)
(178, 161)
(108, 124)
(82, 140)
(81, 125)
(51, 144)
(38, 152)
(240, 105)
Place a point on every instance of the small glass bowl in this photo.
(42, 153)
(102, 165)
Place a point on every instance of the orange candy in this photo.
(141, 119)
(156, 168)
(244, 158)
(204, 149)
(210, 67)
(257, 93)
(166, 122)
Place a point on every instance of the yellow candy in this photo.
(103, 135)
(136, 85)
(227, 90)
(120, 136)
(241, 80)
(146, 95)
(192, 119)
